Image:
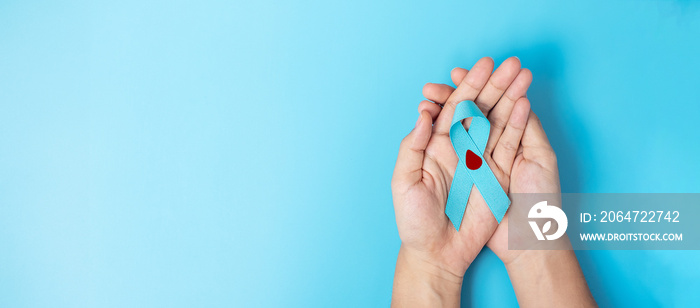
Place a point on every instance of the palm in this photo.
(424, 223)
(538, 174)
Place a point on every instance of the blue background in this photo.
(217, 153)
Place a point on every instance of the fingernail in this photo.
(420, 116)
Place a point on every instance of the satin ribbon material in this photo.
(483, 178)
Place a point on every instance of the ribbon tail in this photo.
(459, 195)
(499, 205)
(492, 192)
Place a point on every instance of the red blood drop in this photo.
(473, 160)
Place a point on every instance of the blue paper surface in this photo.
(180, 153)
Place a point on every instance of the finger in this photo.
(468, 89)
(432, 108)
(508, 143)
(534, 135)
(500, 113)
(499, 81)
(437, 92)
(409, 164)
(535, 145)
(457, 74)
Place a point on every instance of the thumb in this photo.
(409, 164)
(534, 135)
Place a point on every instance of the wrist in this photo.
(527, 259)
(419, 281)
(539, 253)
(544, 278)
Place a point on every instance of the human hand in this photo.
(534, 169)
(537, 275)
(427, 162)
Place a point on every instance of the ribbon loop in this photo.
(474, 140)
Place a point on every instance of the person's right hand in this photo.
(541, 278)
(534, 171)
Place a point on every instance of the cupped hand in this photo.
(427, 162)
(523, 161)
(534, 169)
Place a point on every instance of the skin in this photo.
(434, 256)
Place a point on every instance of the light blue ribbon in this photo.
(483, 178)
